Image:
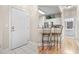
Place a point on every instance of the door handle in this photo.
(12, 28)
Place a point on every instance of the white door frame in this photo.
(10, 17)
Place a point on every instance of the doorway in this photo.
(19, 28)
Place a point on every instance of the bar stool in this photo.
(46, 33)
(57, 33)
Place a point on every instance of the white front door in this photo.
(19, 28)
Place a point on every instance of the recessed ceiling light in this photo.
(68, 6)
(41, 12)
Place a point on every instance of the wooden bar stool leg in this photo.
(60, 43)
(57, 43)
(42, 42)
(51, 41)
(54, 40)
(48, 42)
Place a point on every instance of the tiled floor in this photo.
(30, 48)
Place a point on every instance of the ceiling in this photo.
(49, 9)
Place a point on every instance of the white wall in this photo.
(35, 36)
(77, 34)
(69, 13)
(4, 26)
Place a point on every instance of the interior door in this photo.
(19, 28)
